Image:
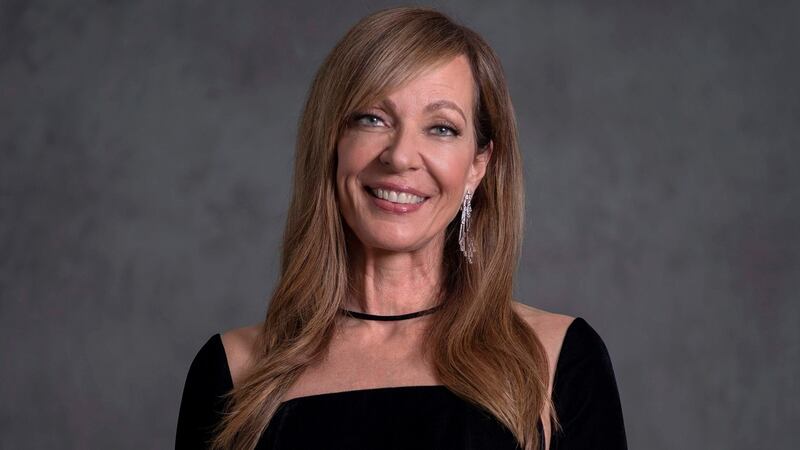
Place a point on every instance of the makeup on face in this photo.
(405, 161)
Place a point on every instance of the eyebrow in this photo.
(445, 104)
(437, 105)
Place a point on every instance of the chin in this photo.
(391, 242)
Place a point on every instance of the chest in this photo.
(351, 363)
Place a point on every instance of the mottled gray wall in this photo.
(144, 178)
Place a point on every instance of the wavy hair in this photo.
(480, 348)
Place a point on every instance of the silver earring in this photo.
(464, 241)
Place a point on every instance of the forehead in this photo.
(450, 80)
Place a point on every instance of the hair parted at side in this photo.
(481, 349)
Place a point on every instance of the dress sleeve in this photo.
(585, 394)
(202, 403)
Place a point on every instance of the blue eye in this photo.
(369, 120)
(444, 130)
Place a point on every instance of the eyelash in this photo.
(359, 116)
(453, 130)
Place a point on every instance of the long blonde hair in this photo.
(481, 349)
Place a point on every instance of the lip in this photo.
(395, 208)
(397, 188)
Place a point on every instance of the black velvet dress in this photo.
(415, 417)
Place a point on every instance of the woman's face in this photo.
(405, 162)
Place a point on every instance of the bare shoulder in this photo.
(550, 328)
(543, 321)
(239, 346)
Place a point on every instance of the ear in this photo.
(478, 167)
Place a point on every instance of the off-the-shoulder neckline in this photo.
(334, 394)
(371, 390)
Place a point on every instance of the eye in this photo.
(444, 130)
(368, 120)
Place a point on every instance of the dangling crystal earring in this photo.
(464, 241)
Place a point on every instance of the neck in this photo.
(393, 318)
(391, 283)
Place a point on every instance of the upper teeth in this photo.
(397, 197)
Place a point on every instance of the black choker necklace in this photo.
(365, 316)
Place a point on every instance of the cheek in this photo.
(353, 155)
(347, 161)
(451, 172)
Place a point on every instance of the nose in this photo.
(402, 153)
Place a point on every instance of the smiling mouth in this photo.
(403, 198)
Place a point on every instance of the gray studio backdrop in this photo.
(145, 175)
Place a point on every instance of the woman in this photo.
(392, 325)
